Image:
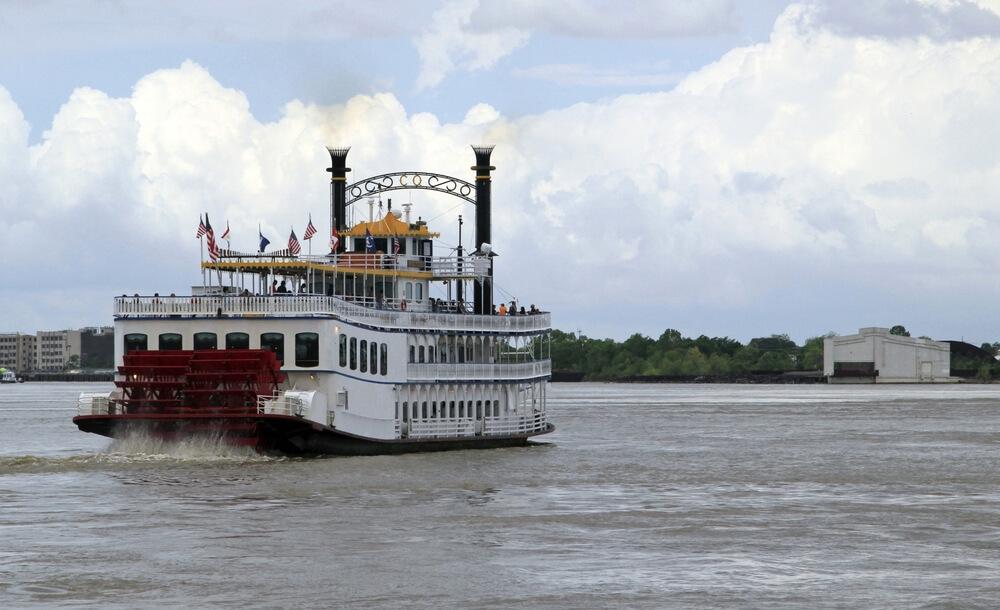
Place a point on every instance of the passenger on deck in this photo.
(503, 310)
(282, 289)
(533, 310)
(380, 300)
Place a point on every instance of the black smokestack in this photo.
(338, 189)
(483, 298)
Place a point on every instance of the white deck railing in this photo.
(478, 371)
(322, 306)
(466, 427)
(280, 405)
(531, 423)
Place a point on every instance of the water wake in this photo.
(196, 448)
(136, 449)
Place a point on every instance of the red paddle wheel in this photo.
(185, 392)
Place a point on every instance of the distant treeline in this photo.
(672, 355)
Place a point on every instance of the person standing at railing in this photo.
(503, 310)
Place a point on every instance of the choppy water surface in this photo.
(645, 496)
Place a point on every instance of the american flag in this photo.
(293, 243)
(310, 230)
(201, 228)
(395, 244)
(334, 240)
(213, 249)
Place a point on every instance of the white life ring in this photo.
(402, 304)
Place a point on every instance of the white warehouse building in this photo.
(875, 356)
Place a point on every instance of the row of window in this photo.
(447, 409)
(306, 344)
(364, 356)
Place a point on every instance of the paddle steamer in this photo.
(354, 357)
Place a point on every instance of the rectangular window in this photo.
(364, 356)
(384, 356)
(306, 349)
(343, 351)
(354, 353)
(373, 363)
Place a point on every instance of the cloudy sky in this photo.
(718, 167)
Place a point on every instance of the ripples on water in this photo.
(646, 496)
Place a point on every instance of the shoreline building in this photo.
(876, 356)
(50, 351)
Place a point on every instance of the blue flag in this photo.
(369, 241)
(263, 241)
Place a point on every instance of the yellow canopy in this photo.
(389, 226)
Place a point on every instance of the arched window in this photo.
(274, 342)
(206, 341)
(306, 349)
(135, 342)
(171, 341)
(237, 341)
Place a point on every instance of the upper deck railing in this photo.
(468, 266)
(323, 306)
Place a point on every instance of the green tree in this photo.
(811, 355)
(899, 330)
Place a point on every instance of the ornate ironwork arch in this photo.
(399, 181)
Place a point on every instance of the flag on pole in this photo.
(263, 240)
(225, 235)
(369, 241)
(293, 243)
(201, 227)
(334, 240)
(310, 229)
(213, 249)
(395, 245)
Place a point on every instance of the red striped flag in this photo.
(293, 243)
(201, 228)
(213, 248)
(310, 230)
